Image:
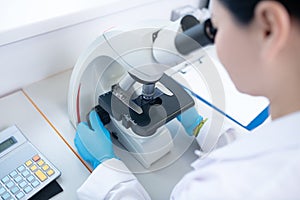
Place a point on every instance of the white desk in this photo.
(17, 109)
(50, 95)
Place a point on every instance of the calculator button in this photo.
(33, 168)
(21, 168)
(20, 195)
(9, 184)
(30, 178)
(45, 167)
(40, 162)
(22, 184)
(13, 174)
(35, 183)
(36, 158)
(18, 179)
(50, 172)
(14, 190)
(25, 173)
(2, 190)
(27, 189)
(40, 175)
(5, 179)
(5, 196)
(28, 163)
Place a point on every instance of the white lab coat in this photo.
(263, 165)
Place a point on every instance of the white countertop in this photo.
(17, 109)
(41, 112)
(50, 96)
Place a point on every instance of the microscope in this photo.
(125, 76)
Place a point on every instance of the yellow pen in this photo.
(198, 127)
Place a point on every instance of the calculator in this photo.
(23, 169)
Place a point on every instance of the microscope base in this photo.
(146, 150)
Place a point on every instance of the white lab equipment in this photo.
(118, 70)
(130, 75)
(126, 75)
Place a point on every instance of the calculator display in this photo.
(7, 143)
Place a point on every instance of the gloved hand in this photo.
(93, 143)
(191, 121)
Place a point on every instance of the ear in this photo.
(274, 27)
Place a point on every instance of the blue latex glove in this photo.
(191, 121)
(93, 143)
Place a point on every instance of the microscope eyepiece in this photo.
(195, 37)
(210, 30)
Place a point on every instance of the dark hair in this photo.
(243, 10)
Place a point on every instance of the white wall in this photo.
(29, 60)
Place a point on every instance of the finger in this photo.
(97, 124)
(188, 117)
(95, 121)
(191, 112)
(83, 127)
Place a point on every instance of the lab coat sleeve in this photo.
(112, 180)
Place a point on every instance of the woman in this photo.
(259, 43)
